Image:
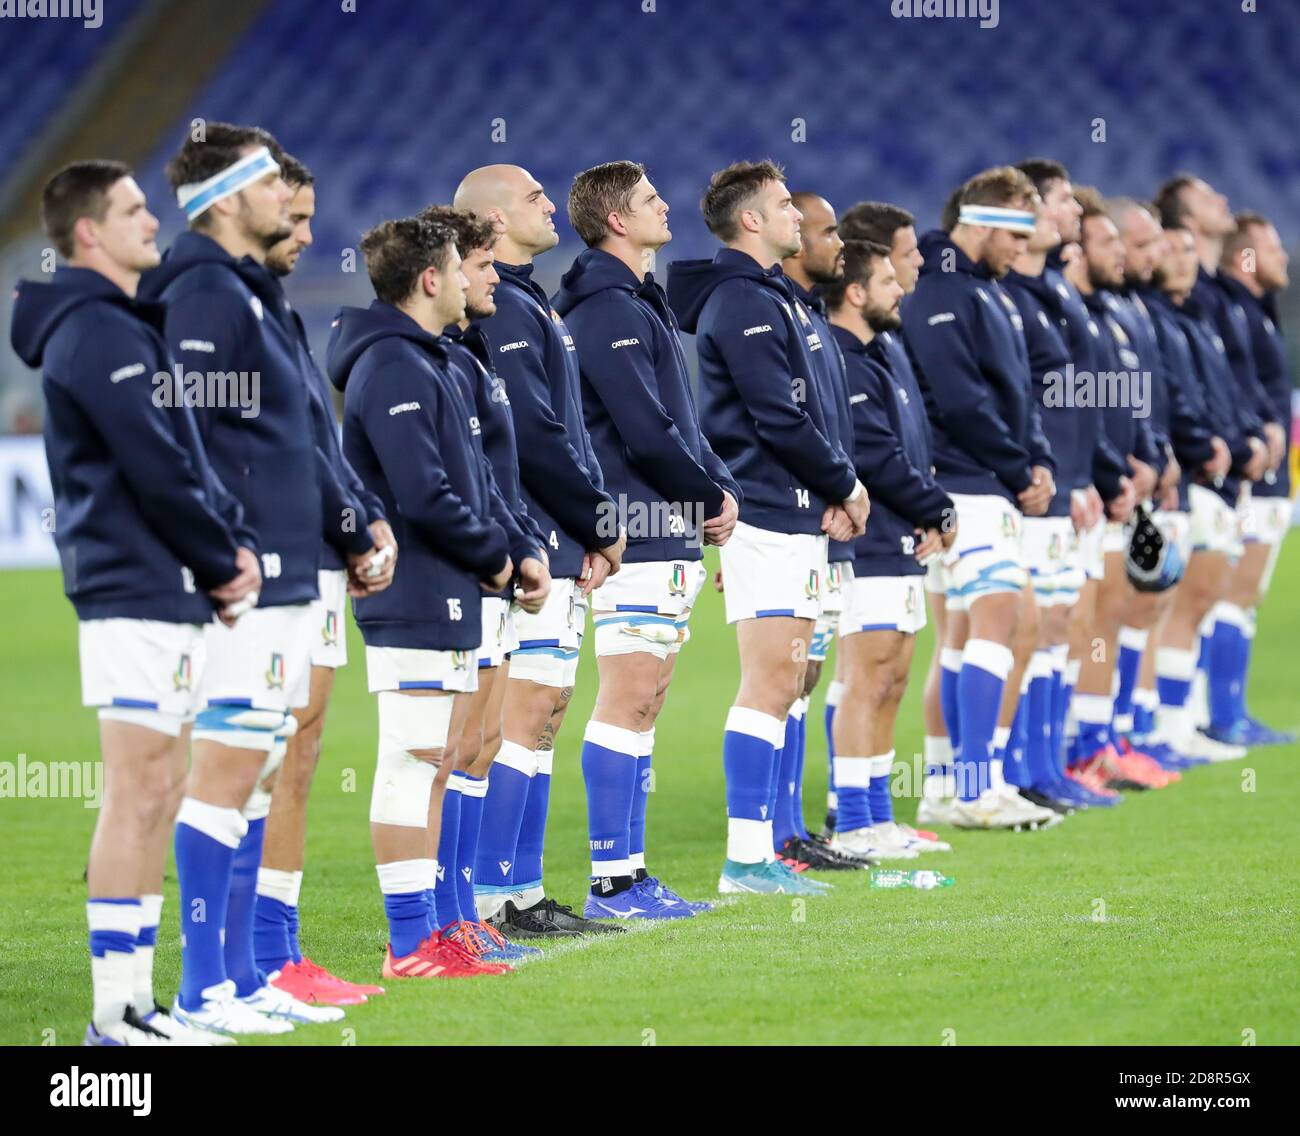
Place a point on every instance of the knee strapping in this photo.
(403, 782)
(243, 727)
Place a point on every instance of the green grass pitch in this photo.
(1198, 885)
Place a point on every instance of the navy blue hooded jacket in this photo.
(415, 443)
(1068, 428)
(640, 412)
(562, 479)
(1081, 335)
(968, 347)
(144, 527)
(1268, 350)
(1190, 424)
(1219, 307)
(1226, 415)
(830, 367)
(760, 404)
(362, 507)
(225, 316)
(1131, 313)
(1117, 354)
(492, 402)
(891, 450)
(465, 369)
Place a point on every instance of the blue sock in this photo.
(446, 900)
(1144, 719)
(405, 886)
(882, 804)
(271, 947)
(949, 672)
(774, 791)
(609, 759)
(796, 805)
(1132, 642)
(748, 759)
(787, 770)
(241, 966)
(833, 695)
(295, 951)
(205, 842)
(471, 819)
(853, 793)
(532, 830)
(1226, 658)
(503, 815)
(984, 670)
(1062, 695)
(1093, 713)
(641, 801)
(1243, 676)
(1015, 767)
(1173, 691)
(1039, 767)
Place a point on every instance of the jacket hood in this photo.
(187, 251)
(40, 308)
(691, 282)
(355, 329)
(594, 271)
(935, 246)
(1038, 285)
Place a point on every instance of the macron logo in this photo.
(128, 372)
(204, 345)
(942, 317)
(402, 408)
(759, 329)
(854, 399)
(513, 346)
(504, 865)
(624, 343)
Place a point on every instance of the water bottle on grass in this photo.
(920, 879)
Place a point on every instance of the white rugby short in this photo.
(766, 573)
(142, 671)
(884, 603)
(985, 558)
(330, 645)
(264, 661)
(410, 668)
(645, 607)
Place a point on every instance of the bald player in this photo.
(564, 493)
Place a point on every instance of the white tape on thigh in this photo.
(625, 636)
(258, 805)
(402, 781)
(543, 667)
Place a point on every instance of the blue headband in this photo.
(197, 197)
(994, 217)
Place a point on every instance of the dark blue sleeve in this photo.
(717, 469)
(625, 382)
(523, 538)
(406, 445)
(1146, 448)
(882, 464)
(163, 476)
(942, 341)
(759, 366)
(343, 514)
(1108, 464)
(548, 464)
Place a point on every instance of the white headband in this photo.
(993, 217)
(197, 197)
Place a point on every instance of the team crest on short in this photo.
(834, 578)
(909, 600)
(1009, 524)
(329, 631)
(813, 588)
(460, 660)
(1054, 547)
(501, 629)
(275, 672)
(677, 580)
(184, 674)
(572, 605)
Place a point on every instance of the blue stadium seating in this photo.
(390, 105)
